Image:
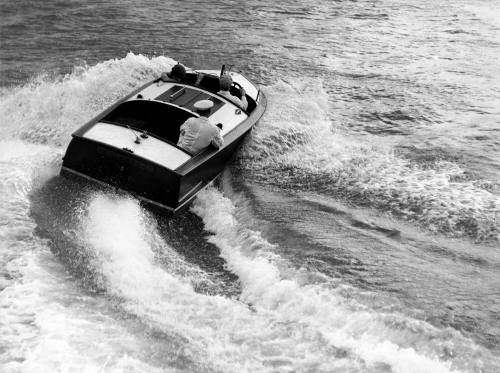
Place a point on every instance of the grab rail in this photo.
(180, 92)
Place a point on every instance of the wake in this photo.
(280, 321)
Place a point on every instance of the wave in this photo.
(349, 329)
(47, 109)
(46, 321)
(297, 147)
(281, 321)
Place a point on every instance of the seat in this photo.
(210, 83)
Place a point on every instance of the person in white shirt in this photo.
(225, 82)
(198, 133)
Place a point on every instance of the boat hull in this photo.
(175, 191)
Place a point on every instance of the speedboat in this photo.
(132, 145)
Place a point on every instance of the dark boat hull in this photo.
(184, 187)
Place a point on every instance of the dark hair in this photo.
(225, 82)
(178, 72)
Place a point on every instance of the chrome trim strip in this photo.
(187, 195)
(183, 204)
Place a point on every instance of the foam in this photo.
(47, 109)
(41, 333)
(116, 231)
(296, 146)
(291, 327)
(45, 320)
(344, 325)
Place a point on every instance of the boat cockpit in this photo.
(150, 117)
(210, 82)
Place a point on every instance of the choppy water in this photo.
(357, 230)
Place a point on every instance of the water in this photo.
(357, 230)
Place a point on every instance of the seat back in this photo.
(210, 83)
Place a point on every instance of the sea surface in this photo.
(356, 230)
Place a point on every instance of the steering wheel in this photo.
(239, 88)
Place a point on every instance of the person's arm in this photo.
(164, 77)
(244, 102)
(183, 129)
(217, 140)
(182, 132)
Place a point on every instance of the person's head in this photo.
(225, 82)
(178, 72)
(203, 107)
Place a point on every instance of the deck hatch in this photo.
(186, 97)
